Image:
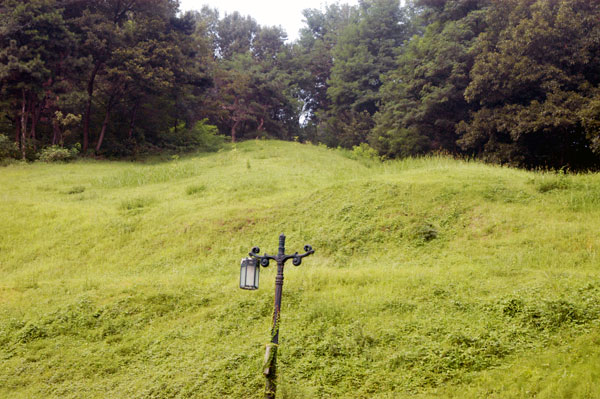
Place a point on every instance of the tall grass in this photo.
(432, 277)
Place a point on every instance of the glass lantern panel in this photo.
(252, 276)
(249, 270)
(243, 267)
(256, 272)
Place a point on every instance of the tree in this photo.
(107, 61)
(364, 52)
(268, 43)
(35, 49)
(139, 52)
(423, 98)
(313, 58)
(249, 96)
(534, 84)
(235, 34)
(253, 89)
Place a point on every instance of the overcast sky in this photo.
(288, 14)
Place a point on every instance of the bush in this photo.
(207, 136)
(8, 149)
(365, 151)
(362, 152)
(201, 137)
(56, 153)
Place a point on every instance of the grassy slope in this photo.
(431, 278)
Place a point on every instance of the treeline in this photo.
(100, 75)
(511, 81)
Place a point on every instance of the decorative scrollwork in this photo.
(280, 258)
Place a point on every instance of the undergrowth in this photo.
(432, 277)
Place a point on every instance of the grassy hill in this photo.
(431, 278)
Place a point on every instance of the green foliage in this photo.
(423, 284)
(534, 96)
(313, 54)
(123, 57)
(346, 129)
(495, 80)
(195, 189)
(364, 151)
(398, 143)
(426, 232)
(206, 136)
(550, 182)
(235, 33)
(470, 77)
(200, 137)
(134, 204)
(423, 99)
(57, 153)
(66, 123)
(363, 53)
(8, 148)
(254, 92)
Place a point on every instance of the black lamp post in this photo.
(249, 271)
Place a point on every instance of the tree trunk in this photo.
(234, 130)
(57, 138)
(23, 124)
(236, 121)
(17, 130)
(32, 134)
(132, 121)
(35, 118)
(88, 109)
(260, 126)
(104, 124)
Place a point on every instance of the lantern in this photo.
(249, 270)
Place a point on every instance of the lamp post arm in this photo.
(297, 259)
(264, 259)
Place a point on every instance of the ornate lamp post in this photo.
(249, 280)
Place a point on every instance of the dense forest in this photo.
(514, 81)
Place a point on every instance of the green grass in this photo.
(432, 278)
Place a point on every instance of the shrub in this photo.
(207, 136)
(201, 137)
(56, 153)
(362, 152)
(8, 149)
(365, 151)
(426, 232)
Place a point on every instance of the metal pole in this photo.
(271, 355)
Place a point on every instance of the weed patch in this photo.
(75, 190)
(135, 204)
(195, 189)
(550, 182)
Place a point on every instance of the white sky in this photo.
(288, 14)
